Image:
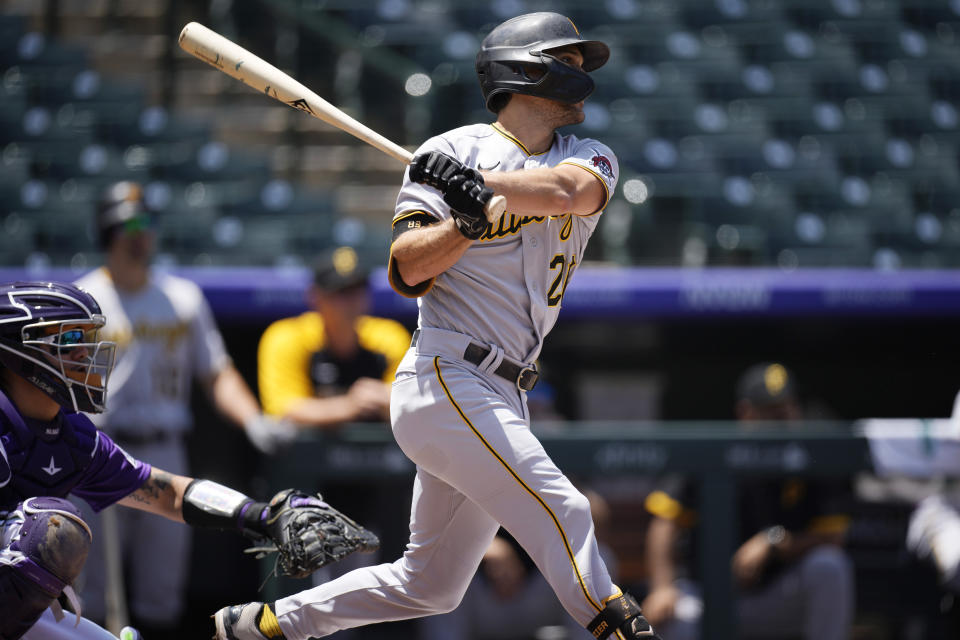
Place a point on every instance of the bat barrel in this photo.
(235, 61)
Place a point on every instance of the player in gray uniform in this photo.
(166, 340)
(489, 292)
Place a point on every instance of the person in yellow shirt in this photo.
(333, 364)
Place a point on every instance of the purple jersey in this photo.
(67, 455)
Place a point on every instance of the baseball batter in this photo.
(489, 292)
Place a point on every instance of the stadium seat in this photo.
(12, 27)
(17, 233)
(747, 201)
(930, 13)
(186, 231)
(310, 233)
(210, 161)
(251, 241)
(654, 237)
(698, 14)
(280, 198)
(812, 14)
(61, 234)
(807, 130)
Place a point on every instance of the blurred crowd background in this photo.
(788, 135)
(797, 133)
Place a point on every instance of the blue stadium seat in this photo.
(17, 233)
(747, 200)
(310, 233)
(61, 234)
(812, 14)
(281, 198)
(656, 237)
(12, 27)
(930, 13)
(665, 156)
(185, 231)
(698, 14)
(210, 162)
(686, 50)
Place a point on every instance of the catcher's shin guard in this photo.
(44, 557)
(622, 614)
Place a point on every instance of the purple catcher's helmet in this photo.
(49, 334)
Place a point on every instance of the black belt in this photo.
(523, 376)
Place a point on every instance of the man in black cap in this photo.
(334, 363)
(766, 392)
(794, 578)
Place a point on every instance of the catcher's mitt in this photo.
(307, 533)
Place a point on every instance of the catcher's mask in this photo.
(516, 57)
(49, 335)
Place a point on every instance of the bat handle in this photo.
(495, 208)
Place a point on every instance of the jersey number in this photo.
(564, 268)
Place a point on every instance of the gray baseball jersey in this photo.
(165, 334)
(466, 427)
(508, 287)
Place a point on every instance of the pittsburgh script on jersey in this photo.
(509, 225)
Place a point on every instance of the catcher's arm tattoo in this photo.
(161, 493)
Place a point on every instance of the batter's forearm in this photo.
(429, 251)
(548, 191)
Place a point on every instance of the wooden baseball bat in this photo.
(237, 62)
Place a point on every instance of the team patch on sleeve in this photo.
(602, 164)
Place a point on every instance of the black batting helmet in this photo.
(515, 58)
(121, 205)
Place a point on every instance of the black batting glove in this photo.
(436, 169)
(467, 199)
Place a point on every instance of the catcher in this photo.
(53, 367)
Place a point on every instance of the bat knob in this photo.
(495, 208)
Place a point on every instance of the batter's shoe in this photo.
(252, 621)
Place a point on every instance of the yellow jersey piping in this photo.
(517, 142)
(489, 447)
(606, 189)
(412, 212)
